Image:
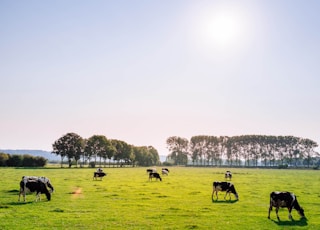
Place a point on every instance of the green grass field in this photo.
(126, 199)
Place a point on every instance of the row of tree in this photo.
(247, 150)
(99, 149)
(25, 160)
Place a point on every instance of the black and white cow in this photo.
(284, 200)
(154, 175)
(224, 186)
(99, 174)
(165, 171)
(228, 175)
(30, 184)
(45, 180)
(151, 170)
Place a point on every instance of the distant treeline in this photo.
(247, 150)
(97, 150)
(25, 160)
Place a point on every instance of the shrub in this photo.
(284, 166)
(92, 164)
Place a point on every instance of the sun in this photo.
(224, 27)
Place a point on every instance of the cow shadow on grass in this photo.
(19, 203)
(224, 201)
(15, 192)
(302, 222)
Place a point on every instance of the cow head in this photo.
(301, 212)
(48, 195)
(50, 186)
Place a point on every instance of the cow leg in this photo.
(38, 198)
(277, 209)
(225, 196)
(212, 195)
(270, 209)
(290, 216)
(20, 193)
(24, 193)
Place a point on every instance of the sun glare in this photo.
(223, 27)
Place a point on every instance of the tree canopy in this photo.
(247, 150)
(99, 148)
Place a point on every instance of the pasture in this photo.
(126, 199)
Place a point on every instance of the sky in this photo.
(142, 71)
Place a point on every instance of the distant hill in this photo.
(46, 154)
(41, 153)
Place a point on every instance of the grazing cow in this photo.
(45, 180)
(35, 184)
(99, 170)
(98, 174)
(151, 170)
(154, 175)
(284, 200)
(224, 186)
(227, 175)
(165, 171)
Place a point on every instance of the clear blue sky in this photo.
(142, 71)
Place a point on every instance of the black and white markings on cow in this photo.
(151, 170)
(285, 200)
(224, 187)
(154, 175)
(39, 185)
(98, 175)
(228, 175)
(165, 171)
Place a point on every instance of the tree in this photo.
(141, 153)
(14, 161)
(99, 146)
(308, 146)
(95, 146)
(28, 161)
(70, 145)
(198, 147)
(40, 161)
(123, 152)
(178, 148)
(154, 155)
(4, 157)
